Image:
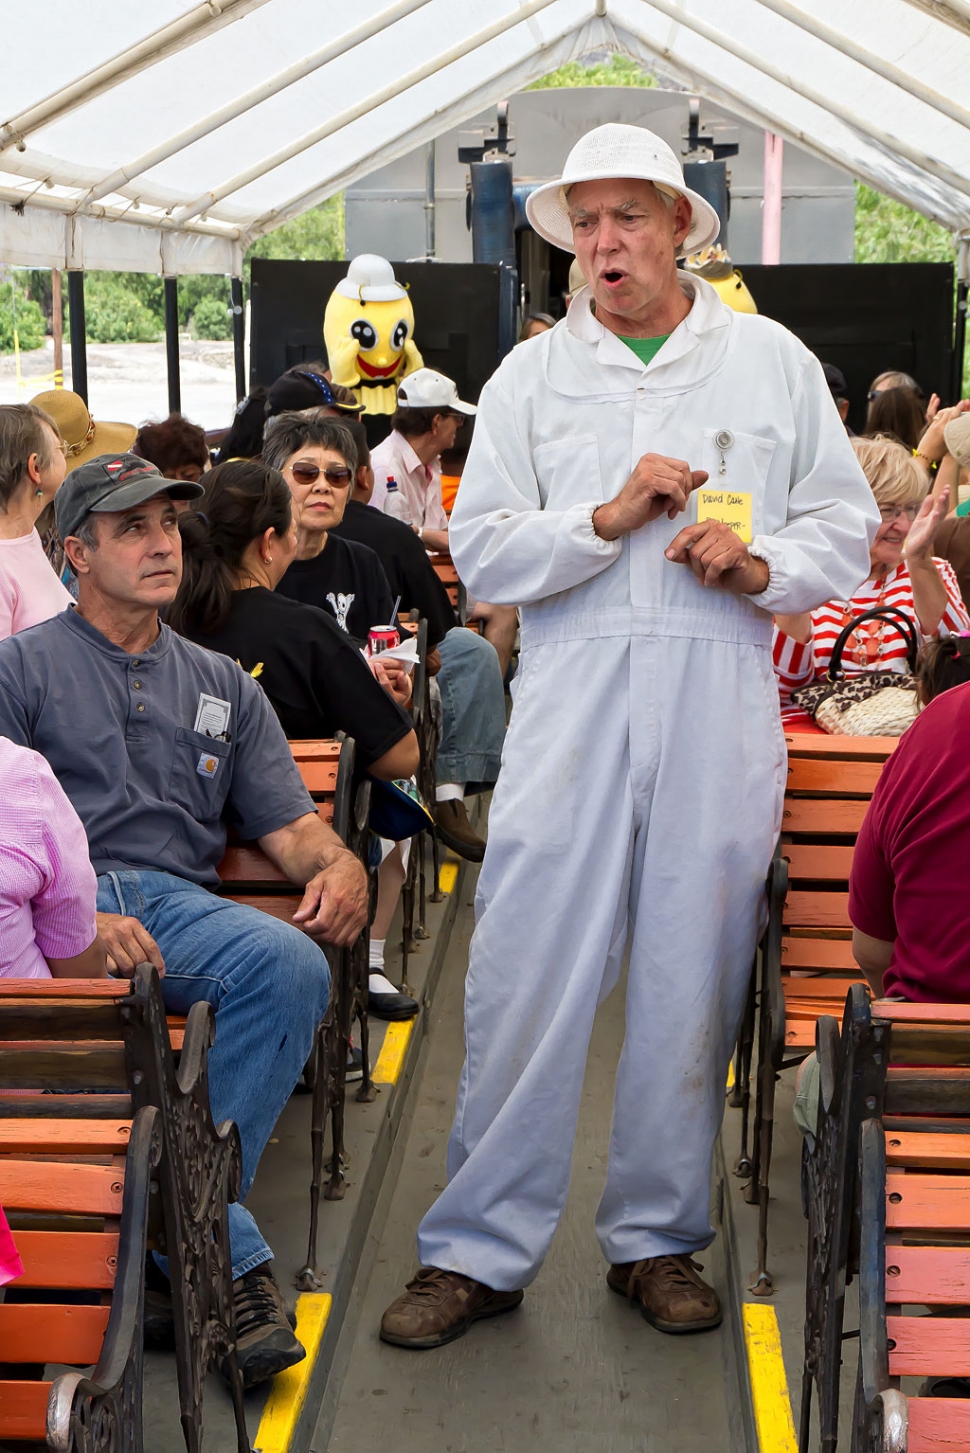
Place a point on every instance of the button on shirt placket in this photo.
(138, 712)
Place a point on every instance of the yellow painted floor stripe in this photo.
(769, 1386)
(447, 877)
(285, 1402)
(393, 1050)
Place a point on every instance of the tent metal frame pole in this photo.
(869, 60)
(298, 72)
(172, 345)
(238, 336)
(79, 346)
(395, 88)
(959, 341)
(719, 91)
(951, 12)
(197, 23)
(747, 57)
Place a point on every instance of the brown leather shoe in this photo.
(669, 1293)
(456, 832)
(439, 1306)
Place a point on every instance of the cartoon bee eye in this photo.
(399, 336)
(364, 332)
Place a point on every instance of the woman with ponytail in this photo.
(235, 549)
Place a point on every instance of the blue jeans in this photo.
(269, 985)
(473, 710)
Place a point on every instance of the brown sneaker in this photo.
(670, 1294)
(456, 832)
(439, 1306)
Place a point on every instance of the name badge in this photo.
(212, 717)
(208, 766)
(729, 507)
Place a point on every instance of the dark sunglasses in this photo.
(338, 474)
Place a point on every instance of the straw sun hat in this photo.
(84, 438)
(615, 150)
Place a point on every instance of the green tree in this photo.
(118, 307)
(619, 70)
(19, 310)
(211, 319)
(889, 231)
(316, 236)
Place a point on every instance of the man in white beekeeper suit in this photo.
(644, 770)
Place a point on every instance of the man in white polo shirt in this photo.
(427, 421)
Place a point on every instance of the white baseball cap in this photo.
(426, 389)
(616, 150)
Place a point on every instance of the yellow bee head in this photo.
(371, 307)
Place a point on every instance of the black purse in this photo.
(871, 703)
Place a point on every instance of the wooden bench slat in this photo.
(928, 1275)
(817, 953)
(929, 1346)
(23, 1410)
(835, 778)
(52, 1333)
(807, 744)
(911, 1090)
(938, 1425)
(809, 860)
(838, 817)
(246, 864)
(928, 1151)
(82, 1137)
(937, 1202)
(58, 988)
(97, 1064)
(69, 1260)
(318, 776)
(38, 1185)
(313, 749)
(53, 1107)
(920, 1013)
(278, 907)
(944, 1044)
(822, 986)
(817, 910)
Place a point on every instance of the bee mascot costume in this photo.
(368, 329)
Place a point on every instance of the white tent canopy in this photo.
(171, 150)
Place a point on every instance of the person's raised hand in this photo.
(932, 407)
(658, 486)
(932, 445)
(128, 944)
(718, 557)
(919, 539)
(334, 905)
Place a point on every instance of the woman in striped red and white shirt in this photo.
(923, 587)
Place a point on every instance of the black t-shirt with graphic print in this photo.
(345, 579)
(314, 676)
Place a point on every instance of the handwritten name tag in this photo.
(729, 506)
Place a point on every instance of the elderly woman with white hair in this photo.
(904, 576)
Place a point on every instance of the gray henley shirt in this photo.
(119, 732)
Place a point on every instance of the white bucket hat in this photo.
(615, 150)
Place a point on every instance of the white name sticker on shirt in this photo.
(208, 766)
(729, 507)
(212, 717)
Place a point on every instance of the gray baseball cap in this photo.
(113, 482)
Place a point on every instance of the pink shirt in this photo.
(419, 484)
(47, 885)
(30, 592)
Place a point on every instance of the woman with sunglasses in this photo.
(317, 457)
(904, 575)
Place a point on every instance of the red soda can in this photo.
(382, 638)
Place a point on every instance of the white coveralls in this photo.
(644, 768)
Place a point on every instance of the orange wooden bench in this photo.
(247, 876)
(805, 959)
(103, 1047)
(892, 1159)
(76, 1194)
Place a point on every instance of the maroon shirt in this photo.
(909, 869)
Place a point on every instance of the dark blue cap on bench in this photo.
(113, 482)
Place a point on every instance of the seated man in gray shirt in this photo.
(160, 745)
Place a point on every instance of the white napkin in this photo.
(406, 653)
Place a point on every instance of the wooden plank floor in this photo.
(574, 1369)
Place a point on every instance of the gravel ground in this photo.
(128, 382)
